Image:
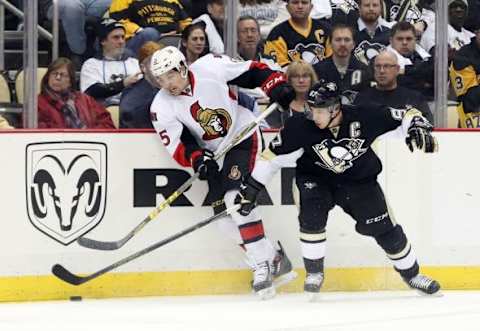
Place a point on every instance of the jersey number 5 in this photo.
(165, 138)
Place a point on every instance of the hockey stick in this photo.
(112, 245)
(65, 275)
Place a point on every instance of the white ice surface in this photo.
(358, 311)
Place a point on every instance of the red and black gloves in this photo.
(279, 90)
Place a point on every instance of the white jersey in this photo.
(104, 71)
(210, 111)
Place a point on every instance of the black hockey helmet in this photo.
(323, 94)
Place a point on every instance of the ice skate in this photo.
(282, 270)
(263, 281)
(312, 285)
(423, 285)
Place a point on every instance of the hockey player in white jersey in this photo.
(195, 114)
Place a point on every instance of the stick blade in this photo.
(100, 245)
(65, 275)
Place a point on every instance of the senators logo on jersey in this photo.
(338, 156)
(215, 122)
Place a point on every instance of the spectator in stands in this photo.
(302, 77)
(465, 78)
(213, 20)
(104, 77)
(372, 31)
(299, 38)
(194, 42)
(136, 99)
(73, 15)
(249, 47)
(146, 20)
(416, 64)
(458, 36)
(250, 43)
(345, 70)
(61, 107)
(337, 11)
(4, 125)
(267, 13)
(387, 90)
(199, 7)
(405, 10)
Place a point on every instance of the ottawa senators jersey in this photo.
(287, 42)
(340, 154)
(207, 110)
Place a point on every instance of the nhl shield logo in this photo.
(66, 187)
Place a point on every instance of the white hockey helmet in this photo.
(166, 59)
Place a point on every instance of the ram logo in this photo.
(66, 187)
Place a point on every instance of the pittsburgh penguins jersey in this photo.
(369, 45)
(344, 11)
(164, 15)
(465, 78)
(339, 154)
(287, 42)
(207, 109)
(401, 10)
(356, 77)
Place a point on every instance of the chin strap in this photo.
(332, 118)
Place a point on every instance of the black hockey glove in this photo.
(205, 165)
(283, 94)
(247, 197)
(420, 137)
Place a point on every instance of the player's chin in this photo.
(321, 126)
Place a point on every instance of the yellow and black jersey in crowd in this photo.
(465, 78)
(164, 15)
(287, 42)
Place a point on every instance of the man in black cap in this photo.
(105, 76)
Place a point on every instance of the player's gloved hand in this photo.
(283, 94)
(420, 137)
(205, 165)
(247, 197)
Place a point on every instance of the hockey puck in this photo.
(76, 298)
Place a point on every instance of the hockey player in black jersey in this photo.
(336, 166)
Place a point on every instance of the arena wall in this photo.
(434, 197)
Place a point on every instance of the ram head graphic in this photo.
(66, 195)
(66, 190)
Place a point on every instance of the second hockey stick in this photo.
(62, 273)
(113, 245)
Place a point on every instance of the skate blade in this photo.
(284, 279)
(267, 293)
(437, 294)
(313, 296)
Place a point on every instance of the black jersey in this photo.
(400, 97)
(287, 42)
(344, 11)
(357, 77)
(341, 154)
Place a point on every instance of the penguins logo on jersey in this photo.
(366, 51)
(338, 156)
(215, 122)
(345, 6)
(311, 53)
(412, 15)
